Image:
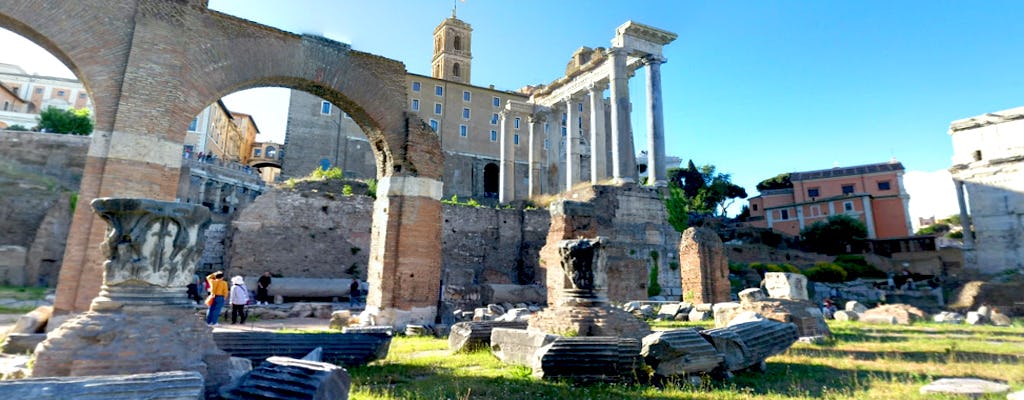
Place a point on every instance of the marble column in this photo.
(598, 135)
(202, 191)
(655, 124)
(218, 196)
(536, 145)
(555, 137)
(506, 176)
(623, 159)
(965, 218)
(572, 144)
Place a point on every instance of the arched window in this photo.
(491, 171)
(455, 70)
(457, 43)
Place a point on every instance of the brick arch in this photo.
(152, 65)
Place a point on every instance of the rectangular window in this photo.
(516, 123)
(433, 125)
(784, 214)
(847, 206)
(494, 135)
(581, 107)
(82, 95)
(547, 143)
(884, 185)
(437, 108)
(815, 211)
(415, 86)
(494, 119)
(255, 152)
(496, 101)
(415, 104)
(466, 96)
(515, 139)
(580, 123)
(465, 113)
(60, 93)
(847, 189)
(813, 192)
(438, 90)
(325, 108)
(753, 207)
(192, 126)
(39, 90)
(563, 131)
(463, 131)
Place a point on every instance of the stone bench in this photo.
(176, 385)
(348, 349)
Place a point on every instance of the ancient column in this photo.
(554, 138)
(572, 143)
(536, 145)
(598, 158)
(202, 190)
(506, 178)
(965, 219)
(218, 196)
(623, 161)
(655, 123)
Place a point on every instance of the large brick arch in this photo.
(152, 65)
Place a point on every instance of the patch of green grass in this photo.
(862, 362)
(22, 292)
(15, 310)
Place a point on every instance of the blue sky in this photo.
(754, 87)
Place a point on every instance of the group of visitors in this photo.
(237, 295)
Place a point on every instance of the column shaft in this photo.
(655, 125)
(533, 157)
(623, 161)
(965, 220)
(598, 135)
(506, 177)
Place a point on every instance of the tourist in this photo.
(262, 289)
(219, 292)
(193, 292)
(353, 293)
(239, 298)
(828, 309)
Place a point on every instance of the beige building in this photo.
(988, 171)
(24, 96)
(503, 145)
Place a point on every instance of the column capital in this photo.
(541, 116)
(651, 59)
(597, 86)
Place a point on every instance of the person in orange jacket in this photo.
(219, 291)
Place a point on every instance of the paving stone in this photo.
(964, 386)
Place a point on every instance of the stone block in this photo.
(999, 319)
(751, 295)
(724, 312)
(21, 343)
(844, 315)
(970, 387)
(290, 378)
(975, 318)
(878, 319)
(175, 385)
(679, 352)
(855, 306)
(749, 344)
(948, 317)
(323, 311)
(518, 346)
(903, 314)
(589, 359)
(12, 265)
(669, 310)
(786, 285)
(339, 319)
(703, 265)
(696, 315)
(468, 336)
(34, 321)
(301, 310)
(238, 367)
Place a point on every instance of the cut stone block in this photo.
(844, 315)
(679, 352)
(964, 386)
(21, 343)
(34, 321)
(855, 306)
(724, 312)
(748, 344)
(468, 336)
(589, 359)
(176, 385)
(518, 346)
(290, 378)
(349, 349)
(786, 285)
(751, 295)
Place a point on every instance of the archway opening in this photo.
(491, 180)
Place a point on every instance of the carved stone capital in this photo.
(651, 59)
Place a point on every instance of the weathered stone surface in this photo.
(516, 314)
(964, 386)
(878, 319)
(844, 315)
(679, 352)
(976, 294)
(12, 265)
(300, 310)
(589, 359)
(290, 378)
(855, 306)
(751, 295)
(745, 316)
(749, 344)
(339, 319)
(175, 385)
(238, 367)
(724, 312)
(468, 336)
(21, 343)
(350, 349)
(806, 316)
(903, 314)
(589, 321)
(999, 319)
(948, 317)
(786, 285)
(15, 367)
(975, 318)
(703, 266)
(518, 346)
(495, 293)
(34, 321)
(697, 315)
(323, 311)
(669, 311)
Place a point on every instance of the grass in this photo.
(861, 362)
(22, 292)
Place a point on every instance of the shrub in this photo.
(826, 272)
(836, 235)
(330, 173)
(857, 267)
(737, 268)
(653, 288)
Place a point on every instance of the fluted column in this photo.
(536, 145)
(572, 144)
(965, 219)
(506, 177)
(598, 135)
(655, 124)
(623, 159)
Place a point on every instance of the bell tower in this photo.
(452, 55)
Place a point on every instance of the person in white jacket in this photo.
(239, 298)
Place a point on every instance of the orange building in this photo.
(872, 193)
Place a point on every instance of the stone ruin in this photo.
(140, 322)
(582, 309)
(703, 266)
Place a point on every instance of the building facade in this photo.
(988, 172)
(24, 96)
(506, 145)
(872, 193)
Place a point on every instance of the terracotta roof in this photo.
(846, 171)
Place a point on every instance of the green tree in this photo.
(706, 191)
(678, 209)
(17, 127)
(834, 235)
(56, 120)
(780, 181)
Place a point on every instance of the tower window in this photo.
(847, 189)
(433, 125)
(494, 119)
(516, 123)
(515, 139)
(457, 44)
(884, 185)
(455, 70)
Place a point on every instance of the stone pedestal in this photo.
(142, 321)
(703, 266)
(582, 308)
